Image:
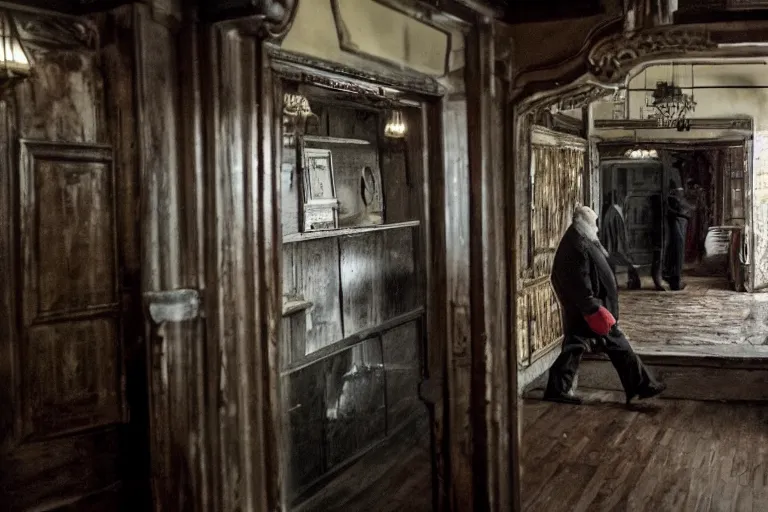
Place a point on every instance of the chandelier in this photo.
(672, 105)
(641, 154)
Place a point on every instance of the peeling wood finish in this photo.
(70, 350)
(556, 187)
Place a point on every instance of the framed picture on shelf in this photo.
(320, 208)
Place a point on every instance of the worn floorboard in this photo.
(660, 456)
(706, 312)
(668, 455)
(394, 477)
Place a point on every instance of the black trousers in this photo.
(616, 259)
(633, 374)
(656, 269)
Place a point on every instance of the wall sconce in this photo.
(296, 105)
(296, 112)
(14, 61)
(395, 127)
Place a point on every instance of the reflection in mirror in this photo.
(620, 411)
(354, 338)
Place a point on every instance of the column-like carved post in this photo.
(243, 247)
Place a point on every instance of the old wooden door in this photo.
(62, 373)
(635, 182)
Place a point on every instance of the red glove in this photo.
(601, 321)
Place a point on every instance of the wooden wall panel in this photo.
(74, 215)
(290, 191)
(71, 377)
(556, 185)
(403, 367)
(557, 189)
(355, 400)
(377, 277)
(85, 462)
(304, 400)
(398, 194)
(352, 123)
(318, 282)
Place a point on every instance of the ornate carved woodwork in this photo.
(696, 124)
(720, 11)
(644, 14)
(583, 97)
(611, 59)
(557, 162)
(270, 18)
(309, 70)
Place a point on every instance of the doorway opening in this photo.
(708, 176)
(706, 341)
(354, 336)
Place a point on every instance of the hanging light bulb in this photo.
(395, 127)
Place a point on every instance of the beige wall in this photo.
(730, 90)
(373, 29)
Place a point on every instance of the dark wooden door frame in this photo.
(471, 320)
(212, 254)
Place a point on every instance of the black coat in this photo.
(583, 281)
(677, 223)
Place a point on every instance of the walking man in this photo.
(586, 287)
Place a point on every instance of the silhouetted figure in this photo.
(696, 232)
(657, 240)
(585, 285)
(677, 221)
(613, 236)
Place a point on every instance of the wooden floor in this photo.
(661, 456)
(396, 476)
(705, 313)
(665, 455)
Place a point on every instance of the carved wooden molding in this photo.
(611, 59)
(267, 19)
(583, 97)
(696, 124)
(47, 31)
(310, 70)
(541, 136)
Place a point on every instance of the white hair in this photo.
(585, 222)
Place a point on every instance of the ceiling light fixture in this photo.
(395, 127)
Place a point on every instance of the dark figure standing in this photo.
(677, 223)
(613, 236)
(589, 297)
(657, 240)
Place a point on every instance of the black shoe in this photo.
(648, 391)
(652, 390)
(679, 287)
(562, 398)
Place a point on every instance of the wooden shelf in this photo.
(294, 306)
(329, 233)
(322, 139)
